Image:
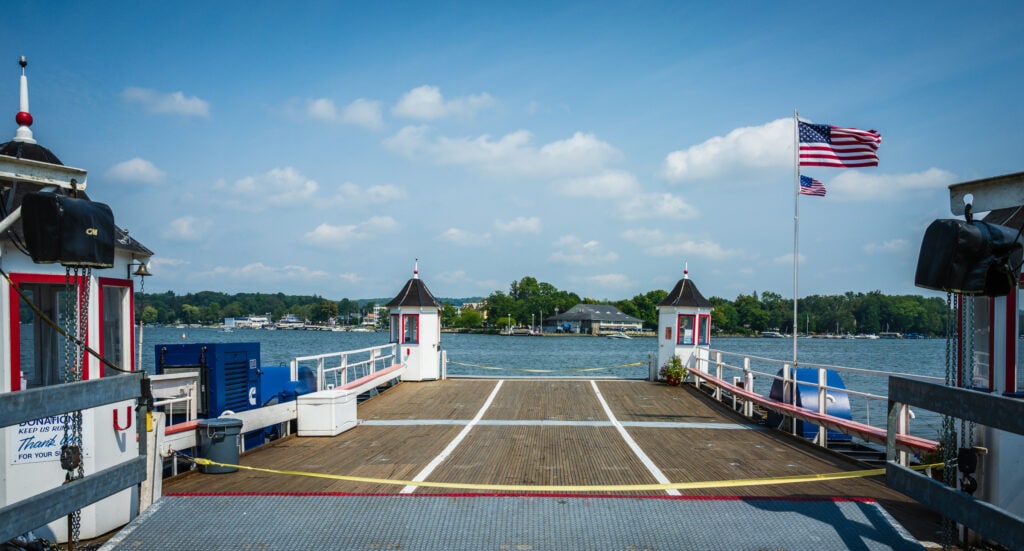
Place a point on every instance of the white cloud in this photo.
(576, 252)
(519, 225)
(611, 281)
(136, 170)
(704, 248)
(164, 102)
(787, 259)
(188, 228)
(341, 237)
(459, 279)
(349, 193)
(885, 247)
(361, 112)
(258, 272)
(644, 235)
(752, 147)
(276, 187)
(427, 103)
(608, 184)
(855, 185)
(351, 277)
(322, 109)
(656, 205)
(513, 153)
(657, 243)
(157, 264)
(458, 236)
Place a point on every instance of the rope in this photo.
(531, 370)
(570, 488)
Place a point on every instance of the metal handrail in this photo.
(31, 404)
(994, 411)
(716, 366)
(379, 357)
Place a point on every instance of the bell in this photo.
(142, 271)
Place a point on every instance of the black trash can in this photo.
(219, 441)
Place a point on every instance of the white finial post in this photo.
(23, 118)
(416, 270)
(686, 270)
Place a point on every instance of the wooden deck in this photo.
(552, 432)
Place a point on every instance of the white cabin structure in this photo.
(416, 328)
(94, 300)
(684, 324)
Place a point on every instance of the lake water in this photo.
(493, 355)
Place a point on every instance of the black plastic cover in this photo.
(73, 232)
(970, 258)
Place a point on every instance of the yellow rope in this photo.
(575, 489)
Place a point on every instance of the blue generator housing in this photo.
(807, 398)
(277, 387)
(229, 373)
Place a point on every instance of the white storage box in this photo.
(326, 413)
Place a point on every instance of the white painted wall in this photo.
(668, 317)
(423, 359)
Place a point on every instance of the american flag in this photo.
(825, 145)
(810, 186)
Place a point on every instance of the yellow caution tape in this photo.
(574, 489)
(528, 370)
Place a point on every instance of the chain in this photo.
(967, 427)
(74, 314)
(948, 436)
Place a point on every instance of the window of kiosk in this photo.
(411, 328)
(39, 355)
(704, 330)
(686, 328)
(115, 308)
(396, 329)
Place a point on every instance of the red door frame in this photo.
(14, 318)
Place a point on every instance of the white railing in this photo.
(338, 368)
(176, 394)
(751, 378)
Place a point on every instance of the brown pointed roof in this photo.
(415, 293)
(685, 293)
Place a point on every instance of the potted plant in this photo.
(673, 371)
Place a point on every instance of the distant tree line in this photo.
(209, 307)
(530, 301)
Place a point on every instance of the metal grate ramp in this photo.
(534, 523)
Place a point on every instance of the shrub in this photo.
(673, 371)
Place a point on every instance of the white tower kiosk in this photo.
(684, 325)
(33, 356)
(416, 328)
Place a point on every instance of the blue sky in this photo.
(319, 148)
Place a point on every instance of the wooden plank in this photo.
(540, 456)
(450, 399)
(555, 400)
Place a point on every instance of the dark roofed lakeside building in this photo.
(593, 319)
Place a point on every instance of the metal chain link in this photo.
(971, 425)
(75, 315)
(948, 436)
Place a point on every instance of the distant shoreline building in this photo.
(593, 319)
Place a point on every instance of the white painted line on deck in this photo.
(651, 467)
(453, 444)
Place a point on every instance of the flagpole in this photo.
(796, 224)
